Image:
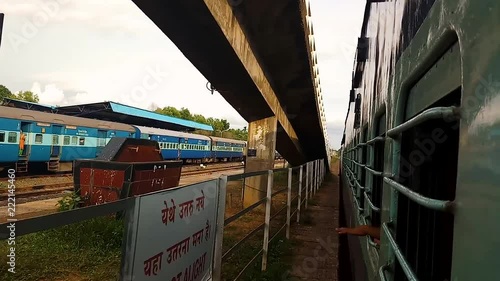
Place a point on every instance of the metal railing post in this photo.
(315, 176)
(307, 183)
(219, 232)
(311, 180)
(300, 194)
(321, 170)
(265, 244)
(289, 203)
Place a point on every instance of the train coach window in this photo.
(428, 166)
(38, 138)
(66, 140)
(74, 140)
(82, 141)
(12, 137)
(378, 165)
(2, 136)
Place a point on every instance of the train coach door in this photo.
(26, 129)
(56, 143)
(101, 141)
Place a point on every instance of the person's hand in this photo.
(342, 230)
(353, 231)
(361, 230)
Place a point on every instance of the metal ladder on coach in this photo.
(53, 164)
(22, 165)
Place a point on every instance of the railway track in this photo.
(69, 173)
(209, 171)
(49, 189)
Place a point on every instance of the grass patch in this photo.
(307, 218)
(89, 250)
(279, 262)
(312, 202)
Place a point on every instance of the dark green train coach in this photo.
(421, 146)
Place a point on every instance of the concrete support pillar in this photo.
(260, 156)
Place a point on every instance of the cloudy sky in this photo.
(70, 52)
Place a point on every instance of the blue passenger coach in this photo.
(53, 139)
(179, 145)
(192, 148)
(227, 149)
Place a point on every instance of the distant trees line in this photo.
(221, 126)
(21, 95)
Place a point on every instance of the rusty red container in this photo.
(125, 167)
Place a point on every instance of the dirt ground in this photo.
(316, 257)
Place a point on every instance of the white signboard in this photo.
(175, 234)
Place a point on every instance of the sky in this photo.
(71, 52)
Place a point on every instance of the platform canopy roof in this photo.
(112, 111)
(116, 112)
(28, 105)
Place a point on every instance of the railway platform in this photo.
(316, 256)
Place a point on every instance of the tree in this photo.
(220, 126)
(27, 96)
(5, 93)
(170, 111)
(199, 118)
(185, 114)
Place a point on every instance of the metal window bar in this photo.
(381, 271)
(369, 240)
(370, 203)
(356, 182)
(373, 172)
(374, 140)
(433, 204)
(354, 191)
(360, 145)
(451, 112)
(358, 164)
(410, 275)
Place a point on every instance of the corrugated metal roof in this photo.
(113, 111)
(27, 105)
(138, 112)
(38, 116)
(164, 132)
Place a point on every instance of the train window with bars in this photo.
(428, 166)
(74, 140)
(81, 141)
(363, 161)
(12, 138)
(66, 140)
(38, 138)
(2, 136)
(378, 165)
